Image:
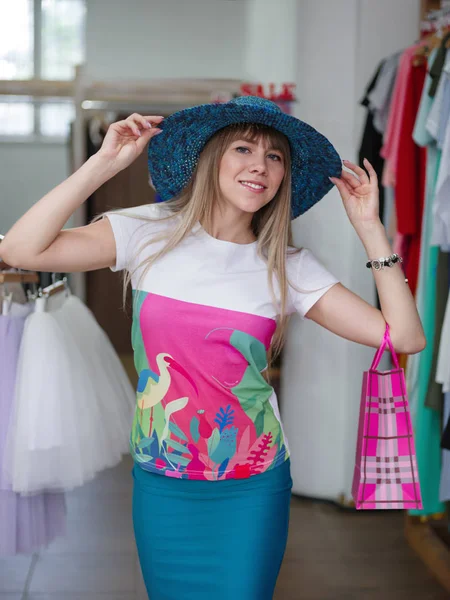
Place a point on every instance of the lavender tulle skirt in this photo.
(27, 523)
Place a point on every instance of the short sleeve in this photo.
(131, 227)
(313, 279)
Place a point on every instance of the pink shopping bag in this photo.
(385, 473)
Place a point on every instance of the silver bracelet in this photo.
(380, 263)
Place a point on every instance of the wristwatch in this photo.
(380, 263)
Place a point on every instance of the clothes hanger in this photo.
(441, 20)
(6, 300)
(14, 277)
(56, 287)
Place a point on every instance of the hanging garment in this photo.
(437, 65)
(427, 422)
(27, 524)
(389, 218)
(446, 442)
(372, 140)
(441, 207)
(114, 395)
(434, 398)
(73, 405)
(444, 492)
(380, 96)
(411, 176)
(405, 161)
(439, 113)
(428, 256)
(390, 149)
(443, 363)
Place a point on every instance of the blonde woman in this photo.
(215, 277)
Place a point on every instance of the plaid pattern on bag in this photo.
(386, 475)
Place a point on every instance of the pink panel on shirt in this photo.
(197, 337)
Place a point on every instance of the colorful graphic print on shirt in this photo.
(203, 407)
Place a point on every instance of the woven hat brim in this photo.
(174, 154)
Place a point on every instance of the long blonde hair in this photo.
(271, 225)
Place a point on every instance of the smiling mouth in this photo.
(253, 186)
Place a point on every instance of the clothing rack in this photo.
(420, 533)
(19, 278)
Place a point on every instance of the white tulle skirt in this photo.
(74, 403)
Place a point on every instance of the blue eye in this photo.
(245, 150)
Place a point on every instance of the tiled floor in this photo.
(331, 555)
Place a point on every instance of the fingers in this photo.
(138, 124)
(344, 189)
(372, 173)
(349, 178)
(358, 170)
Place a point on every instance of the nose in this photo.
(259, 165)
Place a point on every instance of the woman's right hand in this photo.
(125, 140)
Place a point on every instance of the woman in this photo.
(215, 277)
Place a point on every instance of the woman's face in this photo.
(250, 174)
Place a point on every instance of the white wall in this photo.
(27, 172)
(339, 46)
(270, 49)
(145, 39)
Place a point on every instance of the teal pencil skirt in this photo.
(211, 540)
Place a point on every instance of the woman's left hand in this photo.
(359, 194)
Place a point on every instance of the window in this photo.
(16, 39)
(62, 35)
(41, 39)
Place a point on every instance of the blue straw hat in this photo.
(173, 154)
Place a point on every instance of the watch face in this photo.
(376, 265)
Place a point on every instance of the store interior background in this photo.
(329, 49)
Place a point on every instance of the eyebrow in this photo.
(247, 141)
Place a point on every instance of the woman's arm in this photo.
(37, 241)
(345, 313)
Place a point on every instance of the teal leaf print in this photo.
(177, 459)
(194, 429)
(251, 348)
(278, 440)
(252, 388)
(259, 423)
(252, 402)
(177, 431)
(143, 458)
(213, 442)
(139, 430)
(176, 446)
(145, 442)
(226, 448)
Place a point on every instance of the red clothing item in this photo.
(411, 174)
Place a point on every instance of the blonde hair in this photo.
(271, 225)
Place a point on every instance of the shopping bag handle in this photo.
(386, 342)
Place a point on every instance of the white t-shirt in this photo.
(203, 321)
